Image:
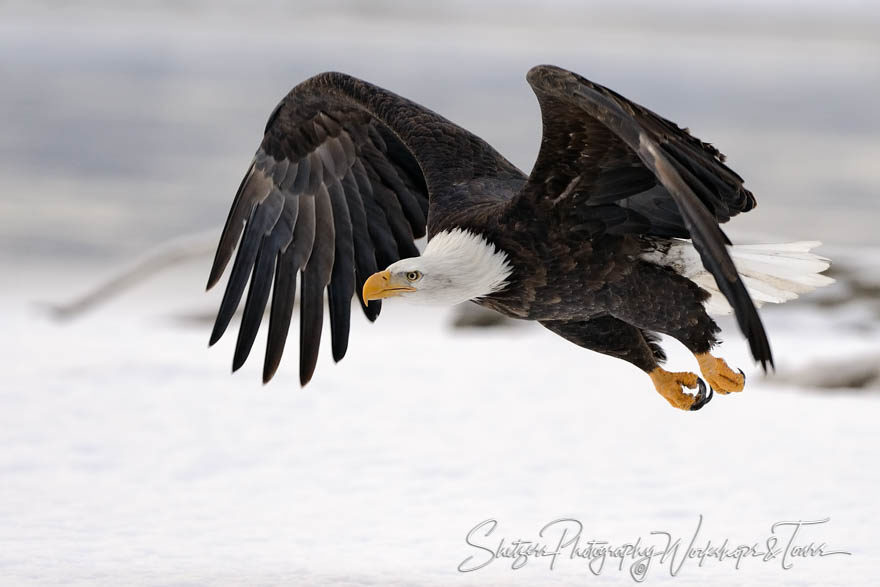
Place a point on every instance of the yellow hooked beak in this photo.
(384, 285)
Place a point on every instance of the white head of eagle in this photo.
(456, 266)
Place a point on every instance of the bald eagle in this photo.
(613, 238)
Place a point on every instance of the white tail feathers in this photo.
(772, 273)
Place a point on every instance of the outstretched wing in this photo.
(618, 167)
(338, 189)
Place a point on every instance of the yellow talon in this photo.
(669, 385)
(720, 377)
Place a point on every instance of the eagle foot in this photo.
(669, 384)
(720, 377)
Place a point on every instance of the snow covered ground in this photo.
(131, 456)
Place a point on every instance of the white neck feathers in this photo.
(470, 266)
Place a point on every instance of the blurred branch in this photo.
(169, 254)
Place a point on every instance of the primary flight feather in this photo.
(613, 237)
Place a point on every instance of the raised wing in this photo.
(618, 167)
(337, 190)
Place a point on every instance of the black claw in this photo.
(702, 396)
(743, 374)
(701, 388)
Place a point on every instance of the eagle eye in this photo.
(413, 275)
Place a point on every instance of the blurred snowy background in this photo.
(129, 455)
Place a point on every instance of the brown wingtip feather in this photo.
(764, 365)
(216, 334)
(216, 271)
(213, 278)
(270, 366)
(218, 266)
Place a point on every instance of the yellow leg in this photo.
(669, 385)
(720, 377)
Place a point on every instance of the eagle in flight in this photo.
(612, 239)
